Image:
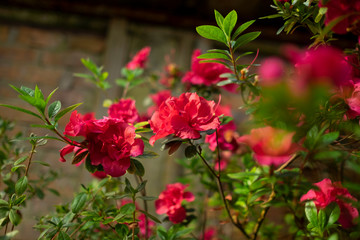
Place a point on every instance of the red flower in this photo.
(124, 110)
(271, 71)
(354, 102)
(226, 133)
(184, 117)
(271, 146)
(206, 73)
(171, 74)
(111, 143)
(170, 200)
(339, 8)
(77, 124)
(333, 192)
(158, 99)
(142, 226)
(324, 65)
(140, 59)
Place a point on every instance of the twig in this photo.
(221, 190)
(143, 193)
(30, 158)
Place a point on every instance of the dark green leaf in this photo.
(211, 32)
(127, 209)
(54, 108)
(322, 221)
(79, 202)
(79, 157)
(246, 38)
(63, 236)
(328, 138)
(334, 215)
(42, 163)
(91, 168)
(49, 97)
(3, 203)
(138, 167)
(155, 219)
(21, 185)
(19, 200)
(147, 198)
(242, 175)
(122, 230)
(147, 154)
(17, 167)
(65, 111)
(216, 61)
(242, 28)
(190, 151)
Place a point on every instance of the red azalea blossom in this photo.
(140, 59)
(184, 117)
(170, 200)
(324, 65)
(209, 234)
(271, 71)
(333, 192)
(158, 99)
(226, 133)
(124, 110)
(110, 142)
(339, 8)
(354, 102)
(271, 146)
(206, 73)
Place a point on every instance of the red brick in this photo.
(41, 76)
(17, 55)
(87, 43)
(4, 31)
(9, 72)
(66, 59)
(39, 38)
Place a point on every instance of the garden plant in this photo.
(288, 169)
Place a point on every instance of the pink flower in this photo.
(324, 65)
(99, 174)
(140, 59)
(271, 71)
(170, 200)
(142, 226)
(184, 117)
(210, 234)
(226, 133)
(354, 102)
(271, 146)
(339, 8)
(333, 192)
(206, 73)
(125, 110)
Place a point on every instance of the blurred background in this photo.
(42, 42)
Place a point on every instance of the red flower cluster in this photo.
(339, 8)
(124, 110)
(206, 73)
(184, 117)
(158, 99)
(271, 146)
(170, 200)
(333, 192)
(110, 142)
(140, 59)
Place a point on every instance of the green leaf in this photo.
(42, 163)
(211, 32)
(334, 215)
(147, 198)
(121, 82)
(219, 19)
(122, 230)
(155, 219)
(311, 213)
(226, 82)
(65, 111)
(190, 151)
(21, 185)
(138, 167)
(328, 138)
(242, 28)
(3, 203)
(79, 202)
(14, 217)
(141, 124)
(21, 110)
(19, 200)
(54, 108)
(246, 38)
(230, 22)
(216, 61)
(63, 236)
(147, 154)
(242, 175)
(17, 167)
(91, 168)
(214, 56)
(49, 97)
(127, 209)
(322, 221)
(27, 91)
(20, 160)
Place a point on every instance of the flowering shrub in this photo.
(295, 151)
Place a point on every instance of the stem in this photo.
(60, 135)
(221, 190)
(264, 212)
(143, 193)
(30, 158)
(77, 229)
(126, 88)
